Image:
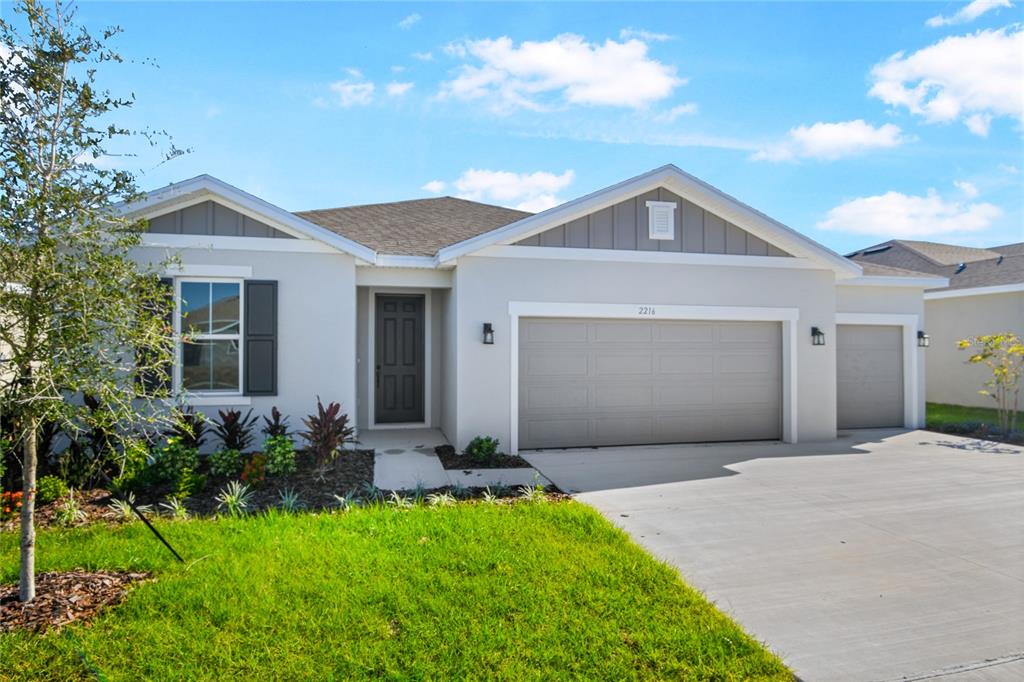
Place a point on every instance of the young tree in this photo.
(1003, 354)
(77, 316)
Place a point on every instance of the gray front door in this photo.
(398, 374)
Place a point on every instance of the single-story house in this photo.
(985, 295)
(657, 310)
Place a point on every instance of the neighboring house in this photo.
(656, 310)
(985, 295)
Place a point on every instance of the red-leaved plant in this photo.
(327, 430)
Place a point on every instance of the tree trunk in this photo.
(27, 584)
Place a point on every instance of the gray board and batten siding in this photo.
(624, 227)
(210, 218)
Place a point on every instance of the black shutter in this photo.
(153, 381)
(260, 337)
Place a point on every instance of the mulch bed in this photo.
(93, 503)
(351, 471)
(453, 460)
(62, 598)
(982, 432)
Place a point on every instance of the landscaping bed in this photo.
(450, 459)
(62, 598)
(531, 589)
(971, 422)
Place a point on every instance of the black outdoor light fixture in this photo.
(817, 337)
(923, 340)
(488, 334)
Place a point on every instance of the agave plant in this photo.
(234, 498)
(70, 511)
(442, 499)
(122, 508)
(175, 508)
(400, 501)
(289, 500)
(532, 493)
(326, 431)
(347, 501)
(488, 497)
(234, 430)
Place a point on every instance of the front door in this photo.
(398, 373)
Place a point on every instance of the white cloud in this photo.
(899, 215)
(530, 74)
(423, 56)
(974, 77)
(644, 35)
(968, 12)
(352, 93)
(397, 68)
(1009, 168)
(398, 89)
(675, 112)
(526, 191)
(969, 189)
(410, 21)
(434, 187)
(213, 111)
(354, 72)
(831, 141)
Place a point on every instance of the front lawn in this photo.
(526, 591)
(940, 415)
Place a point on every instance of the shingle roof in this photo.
(966, 267)
(877, 270)
(418, 227)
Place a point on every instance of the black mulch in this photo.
(62, 598)
(453, 460)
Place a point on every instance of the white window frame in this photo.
(209, 397)
(652, 207)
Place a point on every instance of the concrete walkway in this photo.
(404, 459)
(879, 556)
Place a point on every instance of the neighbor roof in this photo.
(419, 227)
(966, 267)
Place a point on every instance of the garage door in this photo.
(626, 382)
(869, 384)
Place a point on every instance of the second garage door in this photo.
(586, 382)
(869, 376)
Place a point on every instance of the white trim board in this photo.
(207, 242)
(428, 358)
(685, 185)
(912, 418)
(623, 256)
(890, 281)
(974, 291)
(789, 317)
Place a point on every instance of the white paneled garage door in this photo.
(869, 377)
(590, 382)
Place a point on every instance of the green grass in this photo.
(938, 414)
(530, 591)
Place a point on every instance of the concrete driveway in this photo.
(883, 555)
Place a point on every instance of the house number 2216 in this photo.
(645, 310)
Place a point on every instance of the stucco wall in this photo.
(892, 301)
(449, 363)
(485, 286)
(950, 379)
(316, 325)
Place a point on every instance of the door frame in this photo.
(371, 416)
(788, 317)
(911, 367)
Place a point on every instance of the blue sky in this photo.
(850, 122)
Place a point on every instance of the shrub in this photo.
(255, 470)
(10, 504)
(50, 489)
(189, 428)
(133, 464)
(168, 464)
(226, 462)
(70, 511)
(327, 430)
(279, 452)
(189, 483)
(234, 430)
(482, 448)
(276, 425)
(234, 498)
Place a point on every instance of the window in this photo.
(661, 219)
(210, 321)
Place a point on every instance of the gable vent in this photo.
(661, 219)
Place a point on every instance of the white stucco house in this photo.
(984, 295)
(656, 310)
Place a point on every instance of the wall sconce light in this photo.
(817, 337)
(923, 340)
(488, 334)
